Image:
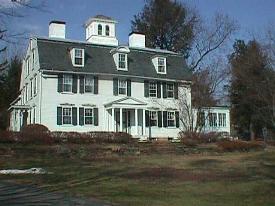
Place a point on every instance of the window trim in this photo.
(82, 57)
(107, 34)
(88, 116)
(66, 107)
(213, 119)
(174, 119)
(164, 65)
(156, 118)
(31, 88)
(93, 84)
(63, 83)
(35, 86)
(125, 62)
(118, 87)
(172, 91)
(156, 88)
(101, 30)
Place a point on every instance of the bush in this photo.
(35, 134)
(9, 136)
(92, 137)
(194, 138)
(238, 145)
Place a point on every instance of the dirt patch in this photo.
(173, 174)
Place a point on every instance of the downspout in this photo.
(40, 99)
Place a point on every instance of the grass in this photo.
(167, 174)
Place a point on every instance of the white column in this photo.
(113, 120)
(120, 119)
(136, 120)
(143, 122)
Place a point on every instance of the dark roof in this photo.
(57, 22)
(54, 55)
(99, 16)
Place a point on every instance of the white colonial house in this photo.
(99, 85)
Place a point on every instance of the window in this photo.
(170, 90)
(213, 119)
(222, 120)
(153, 118)
(122, 61)
(161, 65)
(152, 89)
(67, 83)
(171, 119)
(78, 57)
(26, 93)
(67, 115)
(88, 116)
(34, 115)
(122, 87)
(35, 86)
(107, 30)
(33, 60)
(201, 119)
(31, 88)
(89, 84)
(28, 66)
(99, 29)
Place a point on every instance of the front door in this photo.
(126, 121)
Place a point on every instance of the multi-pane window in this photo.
(34, 115)
(31, 86)
(26, 93)
(170, 90)
(28, 66)
(89, 84)
(88, 116)
(79, 57)
(67, 83)
(161, 65)
(201, 119)
(122, 87)
(107, 30)
(122, 61)
(99, 29)
(152, 89)
(67, 115)
(171, 119)
(222, 120)
(153, 118)
(213, 119)
(35, 86)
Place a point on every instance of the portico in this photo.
(126, 115)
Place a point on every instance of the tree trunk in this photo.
(252, 133)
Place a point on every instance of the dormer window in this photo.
(161, 65)
(78, 57)
(99, 29)
(120, 55)
(122, 61)
(107, 30)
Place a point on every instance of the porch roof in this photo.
(19, 107)
(128, 102)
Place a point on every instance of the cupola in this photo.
(101, 30)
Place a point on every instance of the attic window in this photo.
(78, 57)
(161, 65)
(99, 29)
(122, 61)
(107, 30)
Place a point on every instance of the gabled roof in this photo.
(126, 101)
(54, 55)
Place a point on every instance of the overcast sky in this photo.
(253, 16)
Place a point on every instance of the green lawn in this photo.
(148, 174)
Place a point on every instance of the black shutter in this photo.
(81, 116)
(82, 86)
(177, 119)
(159, 118)
(146, 88)
(129, 87)
(95, 85)
(115, 86)
(74, 83)
(147, 118)
(59, 116)
(60, 83)
(176, 90)
(164, 89)
(165, 119)
(96, 116)
(158, 89)
(74, 114)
